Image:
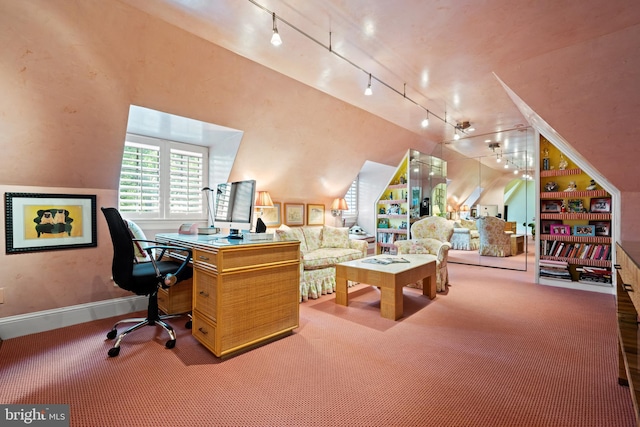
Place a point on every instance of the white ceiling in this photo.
(437, 55)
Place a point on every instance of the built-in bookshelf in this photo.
(574, 239)
(416, 187)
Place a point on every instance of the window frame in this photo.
(164, 212)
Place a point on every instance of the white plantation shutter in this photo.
(162, 179)
(140, 179)
(352, 200)
(186, 182)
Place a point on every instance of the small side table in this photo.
(517, 244)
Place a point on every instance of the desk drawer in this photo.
(176, 299)
(205, 293)
(204, 331)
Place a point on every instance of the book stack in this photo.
(554, 269)
(559, 249)
(594, 274)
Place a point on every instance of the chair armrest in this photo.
(185, 262)
(436, 247)
(360, 245)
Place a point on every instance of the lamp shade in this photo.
(339, 205)
(465, 208)
(263, 200)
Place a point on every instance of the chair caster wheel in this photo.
(188, 324)
(113, 352)
(112, 334)
(170, 344)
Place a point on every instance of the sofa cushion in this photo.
(334, 237)
(313, 236)
(466, 223)
(328, 257)
(287, 233)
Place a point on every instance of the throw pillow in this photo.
(287, 233)
(334, 237)
(471, 225)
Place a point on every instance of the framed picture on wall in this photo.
(315, 214)
(294, 214)
(43, 222)
(271, 216)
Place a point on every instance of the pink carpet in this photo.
(495, 350)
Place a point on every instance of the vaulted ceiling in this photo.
(443, 56)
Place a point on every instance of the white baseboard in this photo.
(41, 321)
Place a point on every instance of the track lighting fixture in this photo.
(275, 38)
(464, 127)
(425, 122)
(368, 90)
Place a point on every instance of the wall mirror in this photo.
(492, 175)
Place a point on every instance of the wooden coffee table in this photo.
(390, 278)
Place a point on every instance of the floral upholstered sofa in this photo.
(321, 248)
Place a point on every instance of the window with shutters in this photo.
(162, 179)
(352, 201)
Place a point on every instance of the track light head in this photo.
(275, 38)
(368, 90)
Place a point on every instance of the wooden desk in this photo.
(390, 278)
(245, 293)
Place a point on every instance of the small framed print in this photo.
(271, 216)
(575, 206)
(315, 214)
(560, 229)
(584, 230)
(545, 225)
(294, 214)
(601, 205)
(601, 228)
(551, 206)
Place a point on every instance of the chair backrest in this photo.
(491, 230)
(434, 227)
(123, 253)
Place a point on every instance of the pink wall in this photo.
(70, 70)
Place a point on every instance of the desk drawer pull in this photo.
(203, 258)
(204, 294)
(627, 287)
(204, 331)
(617, 266)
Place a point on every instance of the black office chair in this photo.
(142, 278)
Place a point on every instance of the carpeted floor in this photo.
(494, 350)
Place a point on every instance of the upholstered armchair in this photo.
(494, 241)
(465, 235)
(430, 236)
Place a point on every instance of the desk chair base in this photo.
(153, 318)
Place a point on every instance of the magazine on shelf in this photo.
(385, 261)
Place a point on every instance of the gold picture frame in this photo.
(294, 214)
(272, 216)
(315, 214)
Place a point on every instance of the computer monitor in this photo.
(234, 207)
